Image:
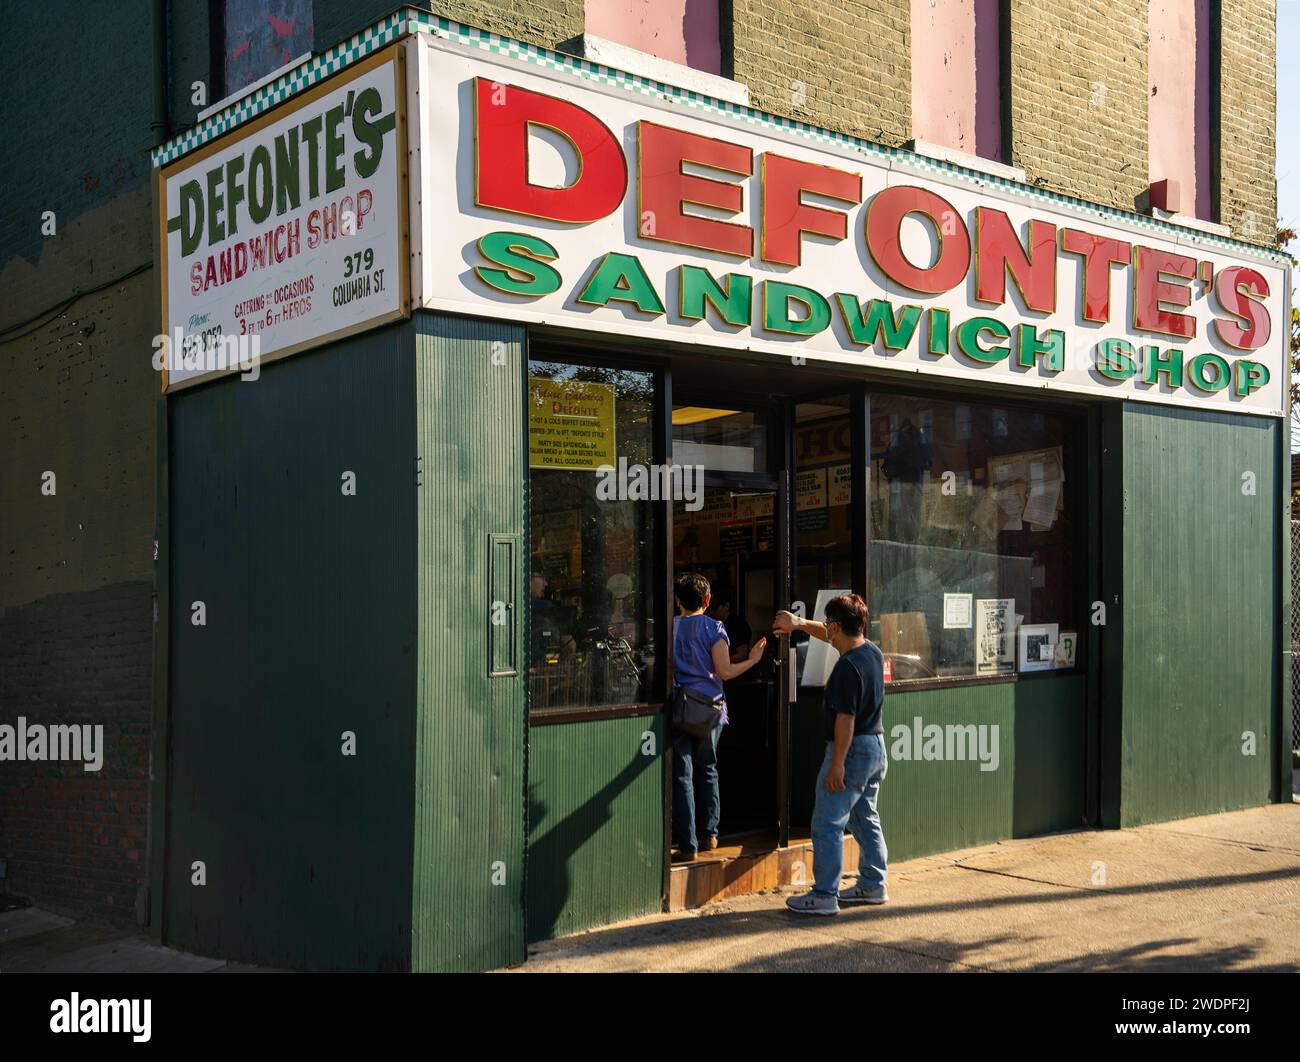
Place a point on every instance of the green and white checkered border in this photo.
(411, 21)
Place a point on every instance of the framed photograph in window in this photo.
(1038, 646)
(1066, 646)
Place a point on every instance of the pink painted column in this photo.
(681, 31)
(956, 75)
(1178, 107)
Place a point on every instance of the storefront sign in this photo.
(553, 199)
(841, 484)
(812, 520)
(753, 506)
(823, 441)
(810, 489)
(289, 232)
(718, 506)
(736, 540)
(570, 424)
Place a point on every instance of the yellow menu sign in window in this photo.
(570, 424)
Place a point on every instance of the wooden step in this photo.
(751, 864)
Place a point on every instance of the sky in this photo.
(1288, 117)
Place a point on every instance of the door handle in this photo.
(503, 624)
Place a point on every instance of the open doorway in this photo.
(780, 527)
(731, 541)
(734, 535)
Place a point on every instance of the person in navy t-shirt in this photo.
(854, 764)
(701, 663)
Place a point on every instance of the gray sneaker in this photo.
(873, 894)
(813, 903)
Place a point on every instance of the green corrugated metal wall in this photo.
(1038, 786)
(310, 631)
(467, 907)
(1200, 611)
(595, 824)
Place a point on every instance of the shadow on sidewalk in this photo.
(856, 953)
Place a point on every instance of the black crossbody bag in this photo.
(693, 713)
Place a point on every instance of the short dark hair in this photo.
(691, 589)
(850, 612)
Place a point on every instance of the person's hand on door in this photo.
(785, 623)
(757, 649)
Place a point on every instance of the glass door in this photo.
(782, 526)
(732, 539)
(828, 556)
(735, 535)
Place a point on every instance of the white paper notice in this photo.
(810, 489)
(821, 656)
(995, 635)
(957, 611)
(1045, 478)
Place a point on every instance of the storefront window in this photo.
(972, 563)
(592, 538)
(720, 440)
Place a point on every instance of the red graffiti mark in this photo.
(90, 181)
(282, 27)
(241, 49)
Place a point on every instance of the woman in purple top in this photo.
(701, 663)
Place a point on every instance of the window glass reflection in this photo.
(972, 566)
(591, 579)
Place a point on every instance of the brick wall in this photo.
(845, 65)
(78, 393)
(842, 65)
(1079, 104)
(76, 840)
(1248, 139)
(1078, 79)
(544, 22)
(76, 610)
(1079, 97)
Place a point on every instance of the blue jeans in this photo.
(855, 807)
(695, 789)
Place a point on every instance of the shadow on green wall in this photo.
(552, 855)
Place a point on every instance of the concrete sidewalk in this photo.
(1214, 893)
(35, 941)
(1220, 892)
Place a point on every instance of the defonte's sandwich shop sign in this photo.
(591, 206)
(543, 196)
(290, 231)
